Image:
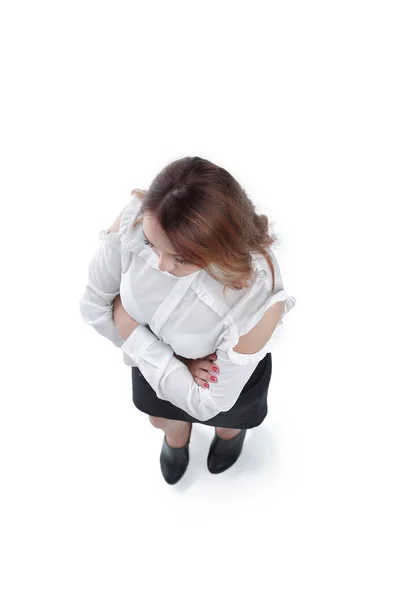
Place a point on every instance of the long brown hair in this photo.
(209, 219)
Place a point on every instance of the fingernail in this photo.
(213, 378)
(215, 369)
(206, 385)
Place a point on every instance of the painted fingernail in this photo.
(206, 385)
(215, 369)
(213, 378)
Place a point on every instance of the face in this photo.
(168, 259)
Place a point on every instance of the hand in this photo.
(124, 323)
(201, 369)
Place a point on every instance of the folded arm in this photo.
(172, 380)
(103, 285)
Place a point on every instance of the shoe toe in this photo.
(173, 462)
(172, 473)
(224, 453)
(217, 464)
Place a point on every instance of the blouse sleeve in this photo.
(171, 379)
(238, 331)
(104, 279)
(251, 309)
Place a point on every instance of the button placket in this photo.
(171, 302)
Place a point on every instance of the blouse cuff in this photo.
(137, 346)
(245, 359)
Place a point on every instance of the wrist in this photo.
(183, 359)
(128, 328)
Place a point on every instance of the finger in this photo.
(207, 376)
(207, 366)
(201, 383)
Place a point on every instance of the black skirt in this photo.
(249, 410)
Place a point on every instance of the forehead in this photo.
(154, 233)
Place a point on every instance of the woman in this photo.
(186, 284)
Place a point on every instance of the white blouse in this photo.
(189, 316)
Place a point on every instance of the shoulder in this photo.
(249, 303)
(260, 310)
(127, 214)
(264, 302)
(116, 225)
(236, 306)
(255, 317)
(120, 233)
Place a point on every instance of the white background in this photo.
(300, 102)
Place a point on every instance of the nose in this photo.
(164, 263)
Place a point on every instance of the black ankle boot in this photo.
(224, 453)
(174, 461)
